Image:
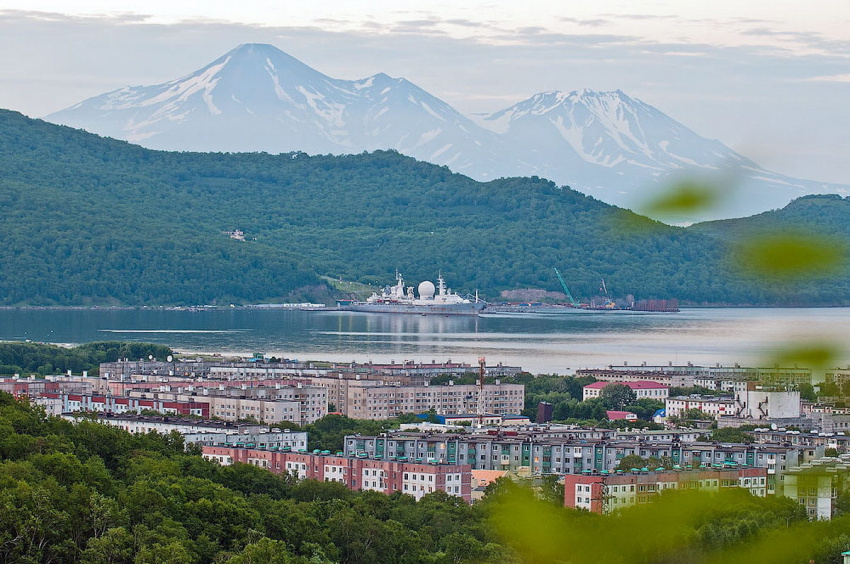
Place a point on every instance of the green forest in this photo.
(96, 494)
(93, 221)
(43, 359)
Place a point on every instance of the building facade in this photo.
(61, 402)
(817, 484)
(355, 472)
(607, 493)
(530, 454)
(641, 389)
(370, 399)
(715, 407)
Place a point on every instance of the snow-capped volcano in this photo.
(610, 128)
(624, 151)
(258, 98)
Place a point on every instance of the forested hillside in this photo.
(88, 220)
(825, 215)
(97, 494)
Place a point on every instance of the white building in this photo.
(642, 389)
(715, 407)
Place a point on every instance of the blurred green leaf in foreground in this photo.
(789, 256)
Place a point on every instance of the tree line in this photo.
(96, 494)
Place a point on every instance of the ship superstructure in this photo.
(431, 301)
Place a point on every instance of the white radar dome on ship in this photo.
(426, 290)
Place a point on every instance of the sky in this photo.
(771, 79)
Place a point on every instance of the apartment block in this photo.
(716, 407)
(355, 472)
(642, 389)
(205, 431)
(817, 484)
(266, 404)
(672, 379)
(59, 403)
(606, 493)
(371, 399)
(30, 387)
(529, 454)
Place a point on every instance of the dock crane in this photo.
(570, 297)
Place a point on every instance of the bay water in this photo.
(537, 342)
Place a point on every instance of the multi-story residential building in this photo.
(838, 376)
(408, 372)
(61, 402)
(672, 379)
(700, 375)
(606, 493)
(356, 472)
(32, 386)
(531, 454)
(817, 484)
(710, 405)
(369, 399)
(164, 424)
(839, 442)
(205, 431)
(642, 389)
(266, 404)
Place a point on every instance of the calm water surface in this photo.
(541, 343)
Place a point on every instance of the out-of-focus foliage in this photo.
(815, 355)
(89, 220)
(677, 527)
(784, 256)
(685, 198)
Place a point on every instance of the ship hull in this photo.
(410, 309)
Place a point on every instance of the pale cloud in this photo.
(829, 78)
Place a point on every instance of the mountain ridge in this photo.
(606, 144)
(95, 221)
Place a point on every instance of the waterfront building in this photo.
(607, 493)
(672, 379)
(355, 472)
(688, 375)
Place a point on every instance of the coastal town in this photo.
(758, 429)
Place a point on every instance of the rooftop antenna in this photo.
(481, 368)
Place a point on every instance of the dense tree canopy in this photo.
(92, 493)
(42, 359)
(89, 220)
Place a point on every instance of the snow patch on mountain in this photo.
(258, 98)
